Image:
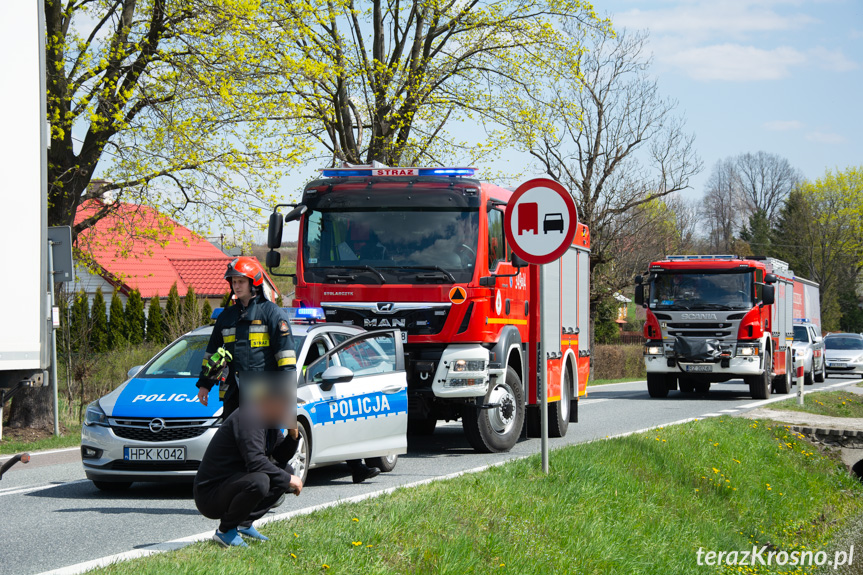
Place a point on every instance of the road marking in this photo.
(589, 387)
(175, 544)
(729, 410)
(590, 401)
(712, 415)
(794, 394)
(46, 452)
(21, 490)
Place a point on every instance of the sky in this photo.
(783, 76)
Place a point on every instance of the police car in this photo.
(351, 404)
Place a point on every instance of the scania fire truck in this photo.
(424, 250)
(715, 318)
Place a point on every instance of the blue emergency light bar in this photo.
(395, 172)
(802, 320)
(216, 312)
(305, 314)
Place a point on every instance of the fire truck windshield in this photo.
(401, 245)
(715, 291)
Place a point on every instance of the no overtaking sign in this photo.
(540, 221)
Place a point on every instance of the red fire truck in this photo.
(715, 318)
(424, 250)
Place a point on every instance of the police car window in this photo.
(339, 338)
(182, 359)
(801, 333)
(370, 356)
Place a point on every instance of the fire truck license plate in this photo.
(154, 453)
(699, 368)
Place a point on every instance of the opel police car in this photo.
(351, 404)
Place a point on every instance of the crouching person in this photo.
(246, 470)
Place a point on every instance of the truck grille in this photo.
(700, 333)
(416, 319)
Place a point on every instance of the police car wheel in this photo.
(820, 376)
(496, 429)
(385, 464)
(112, 485)
(300, 461)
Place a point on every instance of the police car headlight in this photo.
(463, 365)
(95, 415)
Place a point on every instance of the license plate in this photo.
(154, 453)
(404, 337)
(837, 365)
(699, 368)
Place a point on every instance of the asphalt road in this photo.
(52, 518)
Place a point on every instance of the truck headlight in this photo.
(747, 350)
(464, 382)
(653, 350)
(95, 415)
(463, 365)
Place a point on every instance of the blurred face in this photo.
(242, 287)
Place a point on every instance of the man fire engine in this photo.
(716, 318)
(424, 250)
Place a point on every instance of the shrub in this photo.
(116, 322)
(618, 362)
(99, 322)
(135, 320)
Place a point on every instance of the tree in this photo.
(172, 306)
(99, 322)
(135, 321)
(722, 208)
(191, 313)
(384, 80)
(168, 100)
(758, 233)
(116, 322)
(206, 313)
(615, 142)
(765, 180)
(80, 321)
(155, 322)
(226, 299)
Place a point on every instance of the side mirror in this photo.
(134, 371)
(296, 213)
(770, 279)
(516, 261)
(639, 294)
(335, 374)
(274, 259)
(768, 295)
(274, 231)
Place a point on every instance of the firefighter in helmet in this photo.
(251, 335)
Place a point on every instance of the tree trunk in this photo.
(32, 407)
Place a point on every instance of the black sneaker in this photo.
(363, 472)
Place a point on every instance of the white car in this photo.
(809, 345)
(351, 404)
(843, 353)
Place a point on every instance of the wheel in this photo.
(686, 385)
(558, 412)
(759, 385)
(300, 461)
(657, 386)
(385, 464)
(822, 373)
(702, 386)
(421, 426)
(782, 383)
(495, 430)
(808, 378)
(112, 485)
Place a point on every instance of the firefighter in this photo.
(251, 335)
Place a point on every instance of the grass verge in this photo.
(829, 403)
(607, 381)
(639, 504)
(70, 437)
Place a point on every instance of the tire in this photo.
(782, 383)
(657, 386)
(300, 461)
(808, 379)
(759, 385)
(112, 485)
(686, 385)
(822, 374)
(385, 464)
(702, 387)
(558, 412)
(423, 426)
(496, 430)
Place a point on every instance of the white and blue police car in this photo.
(351, 404)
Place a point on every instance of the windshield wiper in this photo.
(348, 277)
(438, 269)
(717, 306)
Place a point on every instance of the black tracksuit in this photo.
(237, 482)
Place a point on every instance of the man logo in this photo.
(386, 307)
(157, 425)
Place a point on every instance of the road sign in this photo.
(540, 221)
(61, 248)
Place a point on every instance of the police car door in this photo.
(365, 416)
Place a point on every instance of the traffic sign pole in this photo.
(543, 381)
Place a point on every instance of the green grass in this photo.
(642, 504)
(71, 437)
(830, 403)
(606, 381)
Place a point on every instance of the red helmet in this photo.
(247, 267)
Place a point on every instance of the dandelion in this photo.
(369, 546)
(293, 556)
(356, 543)
(355, 519)
(715, 470)
(325, 566)
(296, 535)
